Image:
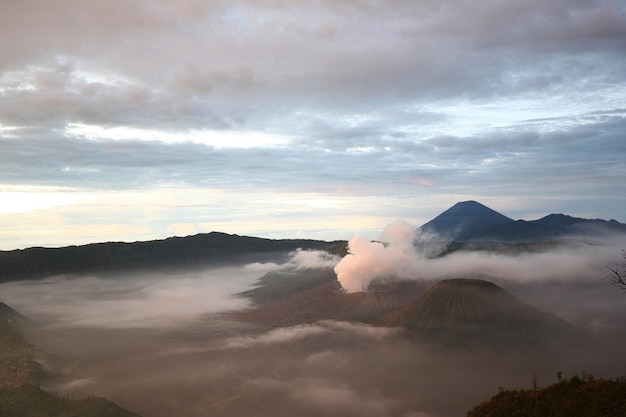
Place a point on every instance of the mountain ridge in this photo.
(470, 221)
(205, 249)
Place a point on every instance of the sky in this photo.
(130, 120)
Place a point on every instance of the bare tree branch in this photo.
(617, 275)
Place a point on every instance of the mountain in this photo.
(471, 222)
(462, 218)
(212, 249)
(467, 313)
(550, 227)
(474, 313)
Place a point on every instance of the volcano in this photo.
(474, 313)
(292, 297)
(463, 217)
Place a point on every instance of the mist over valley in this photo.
(385, 328)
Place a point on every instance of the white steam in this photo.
(369, 260)
(311, 259)
(397, 257)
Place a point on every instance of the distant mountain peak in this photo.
(471, 221)
(462, 217)
(558, 217)
(469, 203)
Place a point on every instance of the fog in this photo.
(164, 344)
(138, 300)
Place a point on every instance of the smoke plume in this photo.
(396, 256)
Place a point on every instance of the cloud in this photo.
(311, 259)
(262, 267)
(221, 83)
(143, 300)
(358, 329)
(500, 159)
(280, 335)
(323, 327)
(325, 395)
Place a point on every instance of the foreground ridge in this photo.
(578, 396)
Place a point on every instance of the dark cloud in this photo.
(313, 57)
(588, 154)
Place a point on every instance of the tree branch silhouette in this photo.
(617, 275)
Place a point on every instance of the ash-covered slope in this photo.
(291, 297)
(472, 313)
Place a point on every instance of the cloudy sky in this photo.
(133, 120)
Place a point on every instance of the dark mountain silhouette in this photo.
(471, 222)
(550, 227)
(205, 249)
(474, 313)
(463, 217)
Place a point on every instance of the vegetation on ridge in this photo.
(576, 397)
